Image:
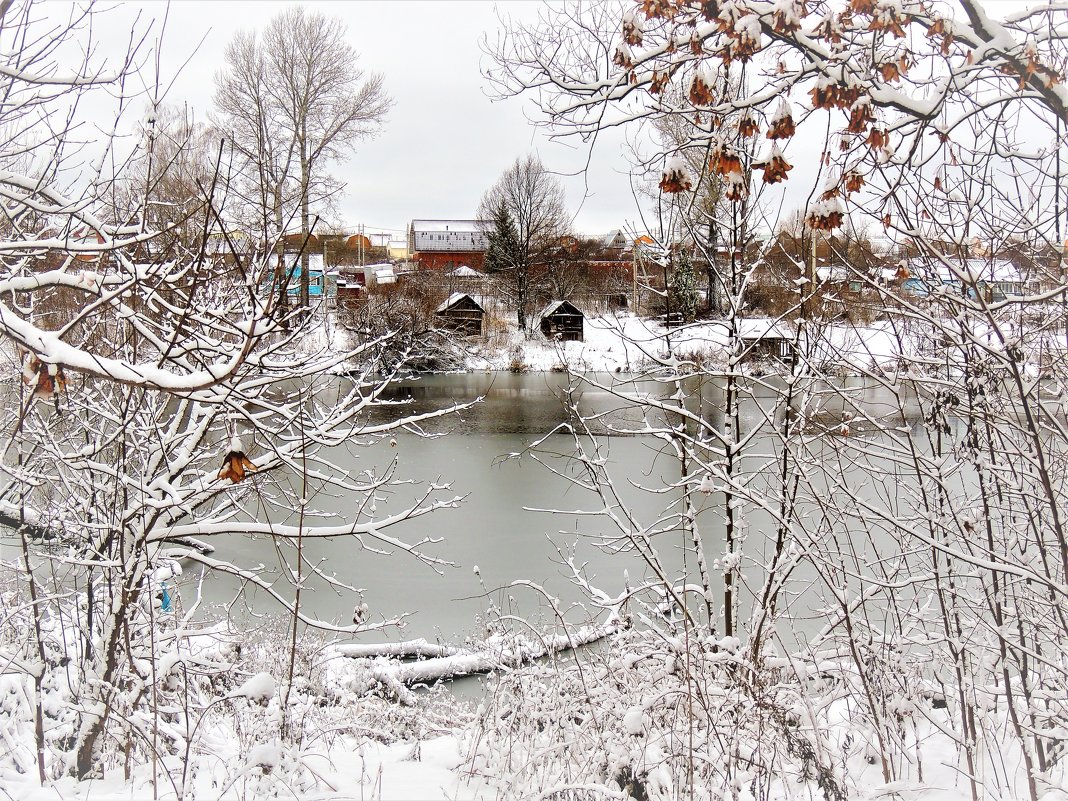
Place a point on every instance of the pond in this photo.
(494, 528)
(496, 536)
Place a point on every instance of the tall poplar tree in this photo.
(293, 101)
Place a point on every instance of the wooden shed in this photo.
(461, 313)
(562, 320)
(764, 339)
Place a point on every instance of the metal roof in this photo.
(440, 226)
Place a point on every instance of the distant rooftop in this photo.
(469, 236)
(440, 226)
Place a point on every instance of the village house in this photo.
(320, 282)
(765, 339)
(996, 279)
(448, 244)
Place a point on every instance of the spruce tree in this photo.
(684, 296)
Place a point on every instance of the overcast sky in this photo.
(445, 141)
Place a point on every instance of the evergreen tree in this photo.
(504, 251)
(683, 294)
(506, 260)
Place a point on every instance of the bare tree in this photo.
(532, 199)
(168, 406)
(178, 179)
(293, 102)
(937, 539)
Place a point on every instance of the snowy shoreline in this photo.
(627, 343)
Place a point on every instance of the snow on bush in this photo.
(258, 689)
(653, 717)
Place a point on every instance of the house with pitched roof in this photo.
(448, 244)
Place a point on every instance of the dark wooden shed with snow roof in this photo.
(764, 339)
(461, 313)
(562, 320)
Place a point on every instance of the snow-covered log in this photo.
(499, 652)
(409, 649)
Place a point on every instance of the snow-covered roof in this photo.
(440, 226)
(315, 261)
(833, 272)
(612, 239)
(556, 304)
(455, 298)
(463, 271)
(450, 235)
(994, 270)
(760, 327)
(1000, 270)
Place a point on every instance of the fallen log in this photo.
(410, 649)
(501, 652)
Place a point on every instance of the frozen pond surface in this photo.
(494, 527)
(491, 529)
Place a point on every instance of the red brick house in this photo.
(448, 244)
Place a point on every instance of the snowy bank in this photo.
(626, 343)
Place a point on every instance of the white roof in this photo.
(439, 226)
(450, 235)
(760, 327)
(610, 239)
(463, 271)
(315, 261)
(454, 298)
(832, 272)
(971, 269)
(556, 304)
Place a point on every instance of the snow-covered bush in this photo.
(653, 718)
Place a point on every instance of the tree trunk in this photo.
(305, 189)
(281, 280)
(521, 299)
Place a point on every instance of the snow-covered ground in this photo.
(530, 737)
(627, 343)
(357, 768)
(611, 343)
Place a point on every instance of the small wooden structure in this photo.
(461, 313)
(763, 339)
(562, 320)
